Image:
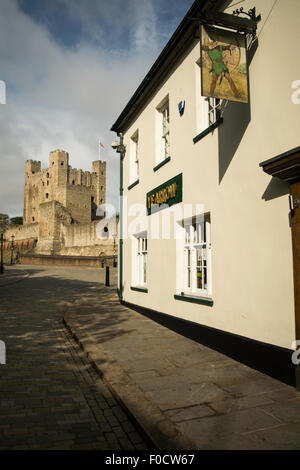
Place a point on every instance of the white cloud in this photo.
(65, 98)
(145, 33)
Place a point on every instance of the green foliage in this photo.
(4, 220)
(4, 217)
(16, 220)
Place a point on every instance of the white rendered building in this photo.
(206, 221)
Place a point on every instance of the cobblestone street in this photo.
(67, 337)
(51, 398)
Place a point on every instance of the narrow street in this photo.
(51, 398)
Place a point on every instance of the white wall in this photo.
(252, 270)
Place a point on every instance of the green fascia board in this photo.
(159, 165)
(132, 185)
(195, 300)
(139, 289)
(207, 130)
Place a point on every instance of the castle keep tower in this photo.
(58, 166)
(98, 183)
(31, 192)
(79, 192)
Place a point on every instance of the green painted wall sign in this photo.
(165, 195)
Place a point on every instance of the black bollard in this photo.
(107, 276)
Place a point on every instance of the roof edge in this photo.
(198, 5)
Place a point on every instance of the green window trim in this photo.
(159, 165)
(207, 130)
(139, 289)
(133, 184)
(195, 300)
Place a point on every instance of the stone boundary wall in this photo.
(22, 232)
(97, 250)
(59, 260)
(88, 234)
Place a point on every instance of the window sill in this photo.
(159, 165)
(195, 299)
(133, 184)
(139, 289)
(208, 130)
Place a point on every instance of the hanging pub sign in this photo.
(165, 195)
(224, 71)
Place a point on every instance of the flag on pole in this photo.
(99, 146)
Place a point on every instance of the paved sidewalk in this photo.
(50, 395)
(182, 393)
(12, 275)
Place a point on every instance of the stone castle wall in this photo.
(90, 239)
(22, 232)
(79, 203)
(60, 209)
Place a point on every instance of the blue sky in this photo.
(116, 21)
(70, 66)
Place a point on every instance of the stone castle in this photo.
(79, 192)
(60, 210)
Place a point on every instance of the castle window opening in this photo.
(47, 195)
(48, 173)
(73, 181)
(32, 219)
(62, 163)
(47, 182)
(92, 198)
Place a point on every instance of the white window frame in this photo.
(163, 130)
(197, 278)
(134, 158)
(213, 110)
(140, 259)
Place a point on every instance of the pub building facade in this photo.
(209, 215)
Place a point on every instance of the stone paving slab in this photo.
(50, 395)
(12, 275)
(160, 430)
(199, 394)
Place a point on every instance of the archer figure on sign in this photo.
(219, 68)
